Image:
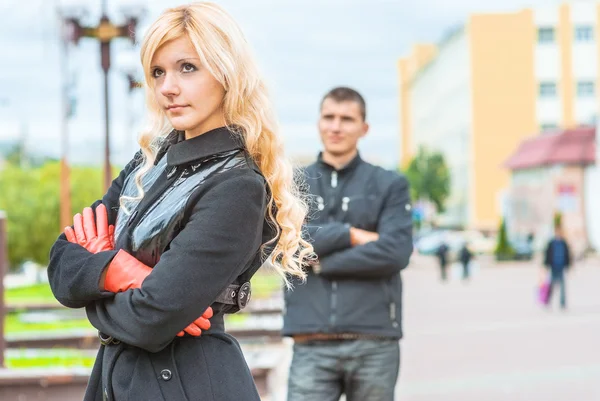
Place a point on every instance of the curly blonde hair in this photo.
(224, 51)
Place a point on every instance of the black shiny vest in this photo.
(147, 232)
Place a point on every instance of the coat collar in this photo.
(216, 141)
(348, 167)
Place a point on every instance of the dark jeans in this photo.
(558, 280)
(363, 370)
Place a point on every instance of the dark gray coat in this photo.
(358, 289)
(200, 226)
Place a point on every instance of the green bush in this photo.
(31, 196)
(503, 251)
(557, 219)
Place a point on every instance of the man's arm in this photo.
(568, 255)
(325, 238)
(329, 237)
(385, 256)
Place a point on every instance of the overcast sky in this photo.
(304, 48)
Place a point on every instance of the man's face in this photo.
(341, 126)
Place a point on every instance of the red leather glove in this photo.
(125, 271)
(94, 235)
(201, 323)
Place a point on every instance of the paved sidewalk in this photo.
(488, 339)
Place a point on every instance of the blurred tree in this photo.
(16, 200)
(30, 197)
(16, 155)
(429, 178)
(503, 251)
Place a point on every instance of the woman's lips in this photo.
(176, 108)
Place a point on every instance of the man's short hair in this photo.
(345, 94)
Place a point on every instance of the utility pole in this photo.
(65, 175)
(104, 32)
(133, 85)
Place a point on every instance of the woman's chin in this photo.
(180, 125)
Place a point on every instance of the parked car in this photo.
(429, 244)
(479, 243)
(523, 249)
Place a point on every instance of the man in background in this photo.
(346, 319)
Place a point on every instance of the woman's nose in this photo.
(169, 86)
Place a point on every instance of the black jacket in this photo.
(358, 289)
(200, 226)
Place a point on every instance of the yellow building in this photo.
(491, 83)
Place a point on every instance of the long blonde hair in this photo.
(224, 51)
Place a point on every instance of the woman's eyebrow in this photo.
(187, 58)
(178, 61)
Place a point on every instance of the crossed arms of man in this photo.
(349, 252)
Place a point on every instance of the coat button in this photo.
(166, 374)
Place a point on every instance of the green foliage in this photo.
(503, 251)
(26, 358)
(13, 325)
(429, 178)
(86, 187)
(557, 219)
(264, 285)
(30, 198)
(35, 294)
(31, 208)
(16, 155)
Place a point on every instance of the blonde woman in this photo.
(186, 224)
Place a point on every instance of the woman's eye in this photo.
(157, 73)
(187, 67)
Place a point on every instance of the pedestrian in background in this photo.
(557, 261)
(465, 256)
(442, 254)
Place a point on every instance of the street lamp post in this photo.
(65, 181)
(104, 32)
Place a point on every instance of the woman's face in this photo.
(190, 96)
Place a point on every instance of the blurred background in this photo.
(489, 108)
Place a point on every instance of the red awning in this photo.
(572, 146)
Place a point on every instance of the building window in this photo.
(545, 35)
(548, 127)
(585, 89)
(584, 33)
(547, 89)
